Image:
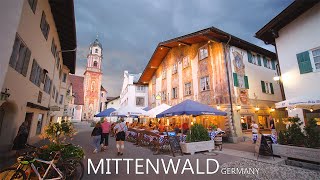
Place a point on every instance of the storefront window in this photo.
(263, 122)
(39, 124)
(246, 122)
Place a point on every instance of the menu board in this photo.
(263, 146)
(175, 145)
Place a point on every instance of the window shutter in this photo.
(235, 79)
(249, 57)
(304, 62)
(263, 86)
(271, 88)
(259, 60)
(273, 63)
(15, 51)
(22, 54)
(246, 82)
(33, 71)
(26, 63)
(265, 62)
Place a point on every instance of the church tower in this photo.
(92, 81)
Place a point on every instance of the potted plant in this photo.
(197, 140)
(57, 133)
(294, 143)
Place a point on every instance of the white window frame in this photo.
(187, 89)
(185, 62)
(137, 101)
(140, 88)
(268, 87)
(175, 93)
(175, 68)
(312, 58)
(164, 74)
(205, 83)
(203, 52)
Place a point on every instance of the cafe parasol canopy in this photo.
(129, 111)
(190, 107)
(105, 113)
(302, 102)
(154, 111)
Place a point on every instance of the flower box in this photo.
(193, 147)
(302, 153)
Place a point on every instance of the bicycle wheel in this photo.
(75, 168)
(12, 173)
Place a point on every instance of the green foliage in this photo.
(67, 151)
(312, 139)
(55, 131)
(198, 133)
(293, 134)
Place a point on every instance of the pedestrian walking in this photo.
(96, 137)
(19, 142)
(105, 125)
(272, 126)
(255, 128)
(120, 132)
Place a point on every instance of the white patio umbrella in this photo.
(157, 110)
(302, 102)
(129, 111)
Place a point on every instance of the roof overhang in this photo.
(64, 18)
(269, 32)
(205, 35)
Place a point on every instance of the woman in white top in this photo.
(255, 128)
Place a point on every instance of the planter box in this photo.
(197, 146)
(302, 153)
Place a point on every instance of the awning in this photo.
(157, 110)
(300, 102)
(129, 111)
(105, 113)
(189, 107)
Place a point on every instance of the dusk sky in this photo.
(129, 30)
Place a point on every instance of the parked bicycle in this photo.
(30, 165)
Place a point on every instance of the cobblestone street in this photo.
(225, 161)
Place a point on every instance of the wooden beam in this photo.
(161, 46)
(207, 37)
(181, 42)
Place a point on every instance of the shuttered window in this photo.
(53, 91)
(246, 82)
(249, 57)
(20, 57)
(35, 76)
(235, 80)
(44, 26)
(33, 5)
(259, 59)
(273, 64)
(267, 87)
(304, 62)
(47, 84)
(265, 62)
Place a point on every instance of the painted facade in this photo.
(35, 68)
(198, 71)
(133, 94)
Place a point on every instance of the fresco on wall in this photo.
(239, 68)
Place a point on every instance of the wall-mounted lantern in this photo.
(5, 95)
(256, 109)
(238, 108)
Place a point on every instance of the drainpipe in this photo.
(233, 132)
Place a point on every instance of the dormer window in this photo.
(96, 50)
(95, 63)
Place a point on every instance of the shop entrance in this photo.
(28, 118)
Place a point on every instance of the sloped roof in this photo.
(136, 77)
(78, 88)
(269, 32)
(103, 89)
(204, 35)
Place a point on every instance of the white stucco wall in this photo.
(9, 18)
(114, 104)
(300, 35)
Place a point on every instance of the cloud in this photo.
(130, 30)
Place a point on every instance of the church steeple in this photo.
(95, 56)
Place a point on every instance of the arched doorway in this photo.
(8, 125)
